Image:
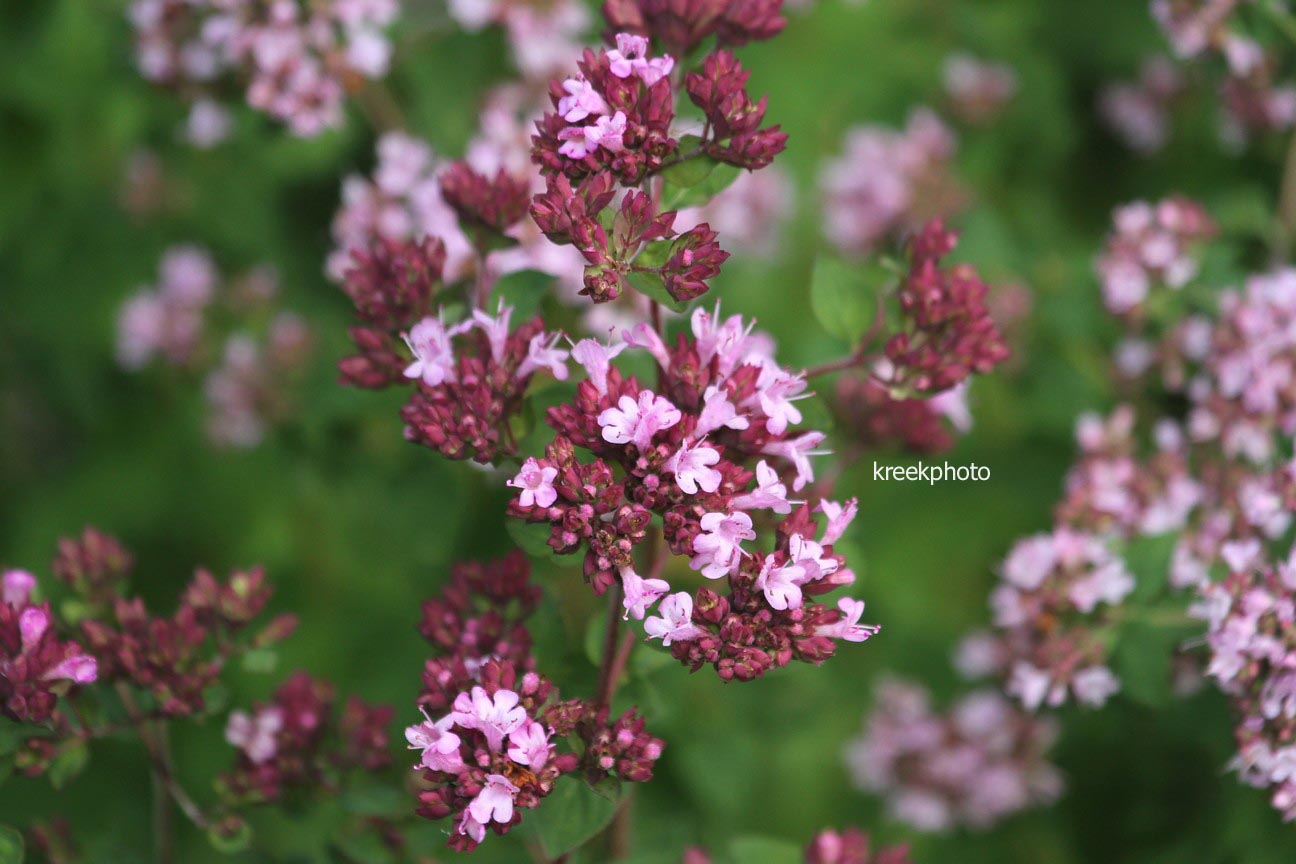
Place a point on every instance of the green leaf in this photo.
(373, 799)
(695, 182)
(68, 763)
(1148, 559)
(571, 816)
(651, 286)
(842, 296)
(12, 846)
(523, 291)
(531, 537)
(1142, 659)
(764, 850)
(231, 839)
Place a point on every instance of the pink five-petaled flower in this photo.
(496, 328)
(839, 516)
(440, 746)
(637, 422)
(848, 627)
(692, 468)
(640, 593)
(768, 494)
(597, 360)
(718, 411)
(782, 583)
(16, 587)
(798, 451)
(541, 354)
(79, 669)
(717, 547)
(255, 734)
(494, 803)
(676, 621)
(434, 359)
(777, 389)
(630, 57)
(529, 745)
(606, 132)
(581, 101)
(536, 482)
(495, 717)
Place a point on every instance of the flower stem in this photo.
(1285, 221)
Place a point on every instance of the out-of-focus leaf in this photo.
(231, 840)
(68, 763)
(523, 291)
(12, 846)
(696, 181)
(572, 815)
(651, 286)
(531, 537)
(1142, 659)
(763, 850)
(373, 799)
(842, 296)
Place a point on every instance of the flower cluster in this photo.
(174, 659)
(1139, 111)
(1050, 605)
(946, 332)
(975, 765)
(36, 667)
(879, 420)
(246, 389)
(887, 183)
(1153, 245)
(709, 451)
(298, 60)
(1251, 631)
(497, 750)
(468, 378)
(978, 91)
(850, 846)
(296, 742)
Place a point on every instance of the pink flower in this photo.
(643, 335)
(717, 411)
(536, 482)
(79, 669)
(606, 132)
(541, 354)
(782, 583)
(769, 493)
(676, 621)
(16, 587)
(640, 593)
(1094, 685)
(32, 624)
(798, 451)
(717, 547)
(848, 627)
(839, 518)
(597, 360)
(496, 329)
(581, 101)
(495, 802)
(691, 467)
(776, 391)
(255, 734)
(630, 57)
(495, 717)
(529, 745)
(440, 746)
(637, 422)
(434, 358)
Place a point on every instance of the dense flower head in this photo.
(166, 320)
(300, 740)
(733, 119)
(176, 658)
(713, 451)
(887, 183)
(947, 333)
(1054, 592)
(297, 60)
(974, 765)
(93, 565)
(36, 666)
(977, 90)
(1152, 245)
(879, 420)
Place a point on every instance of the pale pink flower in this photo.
(636, 422)
(434, 359)
(848, 627)
(769, 492)
(782, 583)
(529, 745)
(495, 802)
(1094, 685)
(717, 548)
(541, 354)
(536, 482)
(692, 468)
(494, 716)
(839, 518)
(798, 451)
(718, 412)
(255, 734)
(32, 624)
(597, 360)
(496, 329)
(644, 335)
(439, 746)
(640, 593)
(581, 101)
(676, 621)
(79, 669)
(16, 587)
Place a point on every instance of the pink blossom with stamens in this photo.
(434, 358)
(636, 422)
(439, 746)
(529, 745)
(692, 468)
(536, 482)
(640, 593)
(494, 716)
(676, 621)
(717, 547)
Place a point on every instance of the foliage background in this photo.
(356, 527)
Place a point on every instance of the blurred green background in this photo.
(356, 527)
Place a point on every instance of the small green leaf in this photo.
(571, 816)
(12, 846)
(531, 537)
(523, 291)
(842, 296)
(230, 839)
(764, 850)
(373, 799)
(261, 661)
(68, 763)
(705, 179)
(1142, 659)
(651, 286)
